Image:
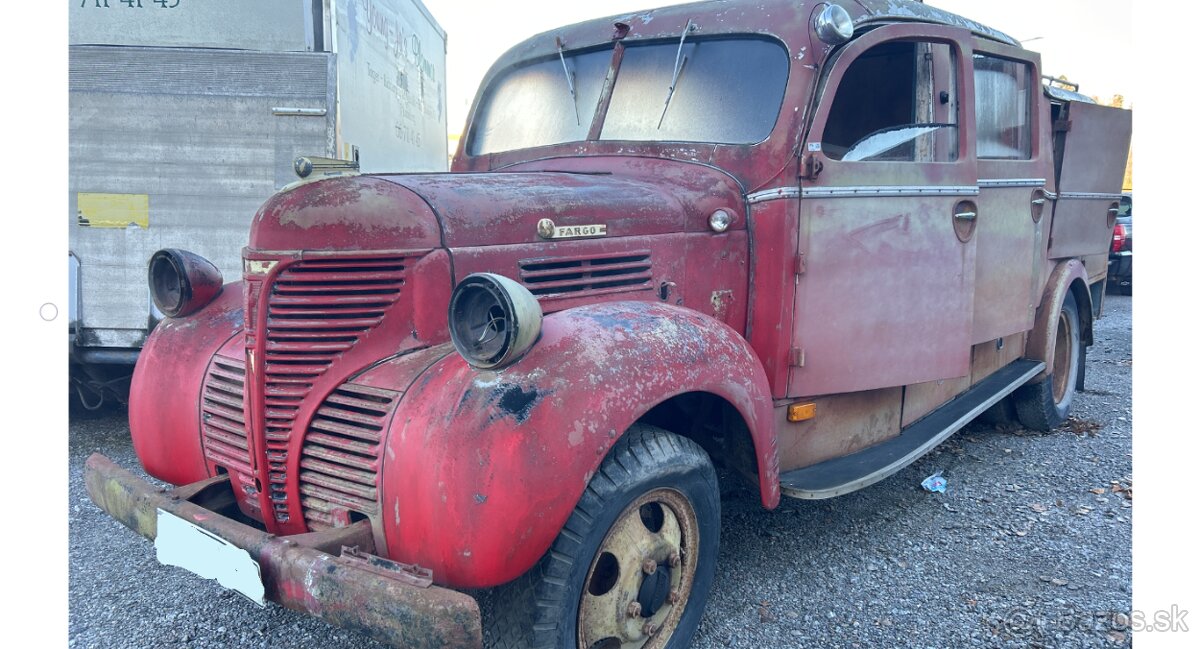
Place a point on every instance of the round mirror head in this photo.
(833, 25)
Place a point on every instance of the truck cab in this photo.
(803, 241)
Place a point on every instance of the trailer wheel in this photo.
(1045, 405)
(633, 565)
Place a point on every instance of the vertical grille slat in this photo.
(316, 311)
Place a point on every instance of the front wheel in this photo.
(633, 565)
(1046, 404)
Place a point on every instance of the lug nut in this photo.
(674, 560)
(650, 629)
(673, 597)
(634, 609)
(649, 566)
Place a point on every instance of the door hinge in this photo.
(796, 357)
(1062, 125)
(810, 166)
(799, 269)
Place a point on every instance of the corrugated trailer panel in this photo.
(271, 25)
(197, 132)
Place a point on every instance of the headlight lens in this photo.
(720, 220)
(182, 282)
(493, 320)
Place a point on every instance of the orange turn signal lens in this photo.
(802, 411)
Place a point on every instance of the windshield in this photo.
(727, 91)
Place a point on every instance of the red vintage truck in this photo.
(803, 241)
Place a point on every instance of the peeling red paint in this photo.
(587, 371)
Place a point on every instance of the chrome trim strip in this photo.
(887, 190)
(772, 194)
(1012, 182)
(1049, 194)
(928, 190)
(921, 450)
(292, 111)
(1111, 197)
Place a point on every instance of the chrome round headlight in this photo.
(493, 320)
(182, 282)
(834, 25)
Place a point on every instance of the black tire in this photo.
(541, 609)
(1045, 405)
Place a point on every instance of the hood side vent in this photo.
(581, 275)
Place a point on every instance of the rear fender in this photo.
(482, 468)
(1068, 275)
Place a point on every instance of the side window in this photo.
(1002, 108)
(898, 101)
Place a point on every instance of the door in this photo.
(1011, 123)
(887, 226)
(1095, 147)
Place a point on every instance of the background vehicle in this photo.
(1120, 258)
(186, 116)
(676, 239)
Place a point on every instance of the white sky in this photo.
(1088, 40)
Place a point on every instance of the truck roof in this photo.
(907, 10)
(750, 12)
(780, 18)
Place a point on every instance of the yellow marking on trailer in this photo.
(113, 210)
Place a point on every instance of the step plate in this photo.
(853, 472)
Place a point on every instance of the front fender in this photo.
(163, 417)
(482, 468)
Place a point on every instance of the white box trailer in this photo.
(185, 115)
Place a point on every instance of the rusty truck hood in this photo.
(344, 214)
(630, 198)
(635, 197)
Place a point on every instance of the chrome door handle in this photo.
(965, 216)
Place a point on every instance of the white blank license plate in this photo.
(184, 544)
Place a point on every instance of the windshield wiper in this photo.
(570, 78)
(680, 61)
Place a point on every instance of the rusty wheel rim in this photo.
(1062, 357)
(639, 582)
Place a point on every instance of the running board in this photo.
(868, 466)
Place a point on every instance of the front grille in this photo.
(339, 461)
(223, 422)
(317, 309)
(587, 275)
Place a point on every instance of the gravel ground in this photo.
(1029, 546)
